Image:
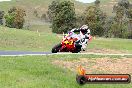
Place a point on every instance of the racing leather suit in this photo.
(82, 38)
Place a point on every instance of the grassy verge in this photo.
(41, 28)
(111, 43)
(15, 39)
(39, 72)
(40, 38)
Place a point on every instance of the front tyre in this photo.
(56, 48)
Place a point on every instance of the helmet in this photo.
(84, 29)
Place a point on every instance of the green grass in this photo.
(41, 28)
(39, 72)
(15, 39)
(44, 40)
(111, 43)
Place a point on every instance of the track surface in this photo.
(25, 53)
(22, 53)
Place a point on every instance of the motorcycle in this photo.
(67, 45)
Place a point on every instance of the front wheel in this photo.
(56, 48)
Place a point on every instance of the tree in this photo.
(95, 19)
(15, 18)
(129, 14)
(53, 9)
(35, 13)
(107, 26)
(1, 17)
(43, 16)
(97, 3)
(124, 3)
(80, 20)
(62, 16)
(122, 10)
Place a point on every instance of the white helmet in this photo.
(84, 29)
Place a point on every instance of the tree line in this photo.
(14, 17)
(63, 18)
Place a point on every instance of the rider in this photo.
(83, 36)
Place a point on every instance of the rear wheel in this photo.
(56, 48)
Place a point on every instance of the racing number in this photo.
(70, 42)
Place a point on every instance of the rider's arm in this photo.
(75, 30)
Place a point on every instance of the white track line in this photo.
(25, 55)
(71, 54)
(101, 54)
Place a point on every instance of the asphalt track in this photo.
(28, 53)
(22, 53)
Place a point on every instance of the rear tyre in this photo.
(56, 48)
